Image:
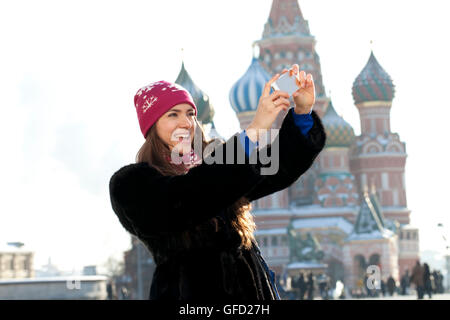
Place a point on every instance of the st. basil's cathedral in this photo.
(352, 201)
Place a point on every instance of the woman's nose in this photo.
(186, 122)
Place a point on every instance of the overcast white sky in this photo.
(69, 71)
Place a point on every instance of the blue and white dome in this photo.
(245, 93)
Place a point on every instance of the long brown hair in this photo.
(154, 151)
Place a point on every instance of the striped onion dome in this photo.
(373, 83)
(339, 132)
(205, 111)
(245, 93)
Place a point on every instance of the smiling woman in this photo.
(195, 217)
(176, 128)
(173, 131)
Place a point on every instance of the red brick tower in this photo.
(378, 157)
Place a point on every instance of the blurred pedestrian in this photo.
(383, 287)
(436, 281)
(323, 286)
(302, 286)
(440, 282)
(417, 278)
(427, 281)
(310, 286)
(404, 283)
(110, 290)
(391, 286)
(295, 286)
(359, 291)
(123, 293)
(370, 291)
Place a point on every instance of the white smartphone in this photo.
(286, 83)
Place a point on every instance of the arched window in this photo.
(275, 241)
(373, 149)
(374, 259)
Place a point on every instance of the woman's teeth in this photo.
(181, 138)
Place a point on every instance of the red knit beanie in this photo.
(157, 98)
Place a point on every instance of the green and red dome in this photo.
(373, 83)
(339, 132)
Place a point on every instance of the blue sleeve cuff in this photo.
(248, 144)
(303, 121)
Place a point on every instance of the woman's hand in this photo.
(268, 108)
(305, 96)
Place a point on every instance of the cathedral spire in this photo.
(205, 110)
(368, 221)
(376, 204)
(285, 18)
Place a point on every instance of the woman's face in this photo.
(177, 127)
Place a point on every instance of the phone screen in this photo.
(286, 83)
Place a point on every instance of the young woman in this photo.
(194, 216)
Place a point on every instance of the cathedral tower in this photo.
(287, 40)
(378, 157)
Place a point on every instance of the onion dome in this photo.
(245, 93)
(339, 132)
(373, 83)
(205, 111)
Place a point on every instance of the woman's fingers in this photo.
(277, 94)
(293, 70)
(302, 79)
(309, 79)
(282, 102)
(266, 90)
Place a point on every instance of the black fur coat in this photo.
(195, 258)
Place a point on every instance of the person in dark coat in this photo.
(435, 277)
(194, 216)
(302, 286)
(439, 282)
(391, 286)
(368, 291)
(310, 286)
(427, 281)
(109, 291)
(383, 287)
(323, 286)
(404, 283)
(417, 278)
